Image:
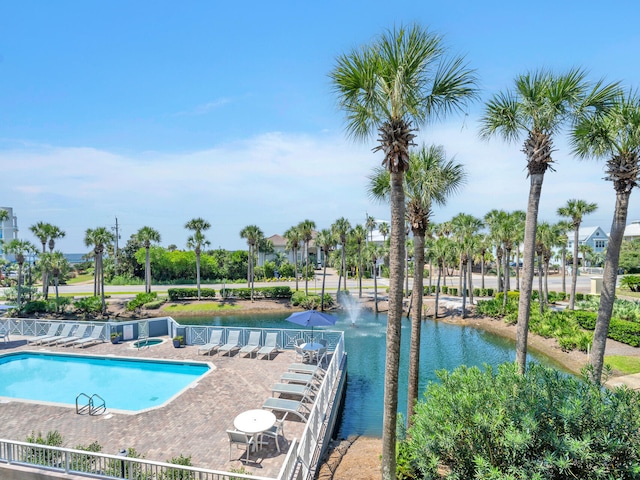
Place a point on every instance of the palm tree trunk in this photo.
(147, 271)
(507, 275)
(482, 269)
(19, 284)
(564, 270)
(416, 323)
(464, 290)
(198, 273)
(435, 311)
(251, 274)
(609, 279)
(375, 288)
(574, 270)
(392, 360)
(524, 303)
(57, 293)
(306, 268)
(470, 281)
(104, 303)
(359, 271)
(324, 277)
(518, 268)
(460, 275)
(430, 276)
(540, 289)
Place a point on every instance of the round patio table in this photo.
(254, 421)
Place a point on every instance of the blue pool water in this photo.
(443, 346)
(124, 384)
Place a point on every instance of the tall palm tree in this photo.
(55, 263)
(563, 228)
(383, 228)
(252, 234)
(392, 86)
(197, 241)
(616, 137)
(20, 249)
(442, 249)
(341, 228)
(466, 227)
(306, 228)
(294, 238)
(359, 235)
(326, 241)
(574, 210)
(147, 235)
(373, 252)
(370, 225)
(41, 231)
(431, 179)
(538, 107)
(54, 234)
(98, 238)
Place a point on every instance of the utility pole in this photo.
(115, 259)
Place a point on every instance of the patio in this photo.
(193, 424)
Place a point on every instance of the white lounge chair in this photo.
(77, 335)
(92, 339)
(293, 377)
(253, 344)
(64, 333)
(270, 345)
(4, 332)
(295, 389)
(53, 329)
(306, 368)
(294, 407)
(215, 341)
(233, 343)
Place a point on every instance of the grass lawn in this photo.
(626, 365)
(200, 307)
(625, 292)
(85, 277)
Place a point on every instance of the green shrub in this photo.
(153, 305)
(297, 297)
(140, 299)
(632, 282)
(36, 306)
(579, 296)
(511, 295)
(176, 294)
(490, 292)
(43, 456)
(497, 424)
(260, 292)
(453, 291)
(88, 305)
(444, 289)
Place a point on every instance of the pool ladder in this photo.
(95, 404)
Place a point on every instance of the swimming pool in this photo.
(126, 384)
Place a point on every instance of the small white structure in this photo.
(632, 231)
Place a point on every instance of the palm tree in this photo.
(616, 137)
(54, 234)
(392, 86)
(197, 241)
(252, 234)
(340, 229)
(383, 228)
(373, 252)
(326, 241)
(370, 225)
(466, 227)
(98, 238)
(56, 263)
(306, 233)
(146, 235)
(540, 105)
(20, 249)
(563, 228)
(293, 244)
(359, 235)
(431, 179)
(574, 210)
(41, 231)
(441, 250)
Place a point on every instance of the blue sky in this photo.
(158, 112)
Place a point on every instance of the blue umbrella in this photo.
(311, 318)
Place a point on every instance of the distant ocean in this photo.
(75, 257)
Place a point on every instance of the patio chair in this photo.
(294, 407)
(233, 343)
(321, 356)
(299, 351)
(275, 432)
(252, 346)
(239, 439)
(306, 368)
(64, 333)
(294, 389)
(304, 378)
(77, 335)
(53, 329)
(92, 339)
(270, 345)
(215, 341)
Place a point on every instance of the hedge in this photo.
(620, 330)
(182, 293)
(260, 292)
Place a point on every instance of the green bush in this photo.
(36, 306)
(297, 297)
(453, 291)
(176, 294)
(632, 282)
(153, 305)
(497, 424)
(490, 292)
(511, 295)
(260, 292)
(444, 289)
(88, 305)
(140, 299)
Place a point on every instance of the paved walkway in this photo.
(193, 424)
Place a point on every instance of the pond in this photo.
(443, 346)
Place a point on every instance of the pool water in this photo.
(149, 342)
(124, 384)
(443, 346)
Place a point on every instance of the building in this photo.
(595, 237)
(8, 230)
(632, 231)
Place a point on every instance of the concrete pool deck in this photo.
(193, 424)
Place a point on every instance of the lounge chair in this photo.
(253, 344)
(233, 343)
(53, 329)
(4, 332)
(306, 368)
(64, 333)
(215, 341)
(292, 377)
(92, 339)
(239, 438)
(296, 389)
(77, 335)
(270, 345)
(294, 407)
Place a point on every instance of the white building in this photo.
(632, 231)
(8, 229)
